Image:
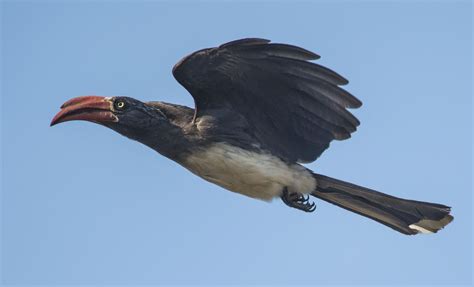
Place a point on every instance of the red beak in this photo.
(88, 108)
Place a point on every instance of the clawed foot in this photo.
(297, 200)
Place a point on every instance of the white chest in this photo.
(257, 175)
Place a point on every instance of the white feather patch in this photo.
(419, 229)
(258, 175)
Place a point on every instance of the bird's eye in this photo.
(120, 105)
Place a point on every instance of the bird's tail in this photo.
(405, 216)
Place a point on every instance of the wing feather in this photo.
(275, 50)
(294, 107)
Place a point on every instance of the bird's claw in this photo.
(298, 201)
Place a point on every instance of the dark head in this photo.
(125, 115)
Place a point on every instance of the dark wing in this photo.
(294, 107)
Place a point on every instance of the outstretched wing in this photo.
(294, 107)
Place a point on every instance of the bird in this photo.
(262, 110)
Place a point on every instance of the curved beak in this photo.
(87, 108)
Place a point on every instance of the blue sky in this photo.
(83, 205)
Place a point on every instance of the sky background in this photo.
(83, 205)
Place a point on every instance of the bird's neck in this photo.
(166, 138)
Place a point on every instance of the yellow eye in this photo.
(120, 105)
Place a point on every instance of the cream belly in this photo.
(257, 175)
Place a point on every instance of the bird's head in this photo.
(125, 115)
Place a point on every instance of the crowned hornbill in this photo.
(261, 109)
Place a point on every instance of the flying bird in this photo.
(261, 110)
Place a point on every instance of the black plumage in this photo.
(261, 109)
(295, 108)
(396, 213)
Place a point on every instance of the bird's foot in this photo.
(297, 200)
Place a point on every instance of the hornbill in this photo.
(261, 110)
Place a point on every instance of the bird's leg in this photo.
(297, 200)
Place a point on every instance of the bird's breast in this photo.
(255, 174)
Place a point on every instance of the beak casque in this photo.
(86, 108)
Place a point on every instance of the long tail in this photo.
(405, 216)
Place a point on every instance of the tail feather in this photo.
(405, 216)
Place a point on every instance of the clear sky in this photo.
(84, 205)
